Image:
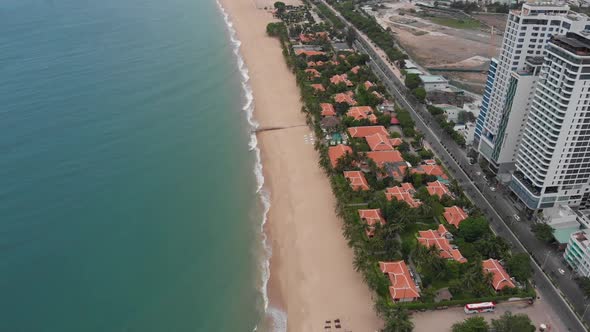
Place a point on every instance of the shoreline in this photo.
(311, 273)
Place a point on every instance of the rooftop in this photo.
(371, 217)
(405, 192)
(438, 238)
(454, 215)
(500, 279)
(364, 131)
(402, 285)
(382, 157)
(337, 152)
(573, 42)
(433, 79)
(357, 180)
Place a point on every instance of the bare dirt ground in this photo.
(498, 21)
(434, 45)
(443, 320)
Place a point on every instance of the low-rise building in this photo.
(577, 253)
(434, 82)
(500, 279)
(357, 180)
(403, 288)
(371, 217)
(438, 188)
(337, 152)
(405, 192)
(454, 215)
(364, 131)
(439, 238)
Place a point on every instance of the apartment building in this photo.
(577, 252)
(528, 32)
(553, 159)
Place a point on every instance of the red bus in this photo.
(474, 308)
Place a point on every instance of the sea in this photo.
(131, 190)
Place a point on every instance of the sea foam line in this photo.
(277, 317)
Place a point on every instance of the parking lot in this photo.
(443, 320)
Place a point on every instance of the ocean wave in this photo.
(277, 317)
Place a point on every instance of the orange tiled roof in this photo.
(402, 286)
(438, 188)
(436, 238)
(313, 73)
(378, 95)
(337, 79)
(318, 87)
(355, 69)
(435, 170)
(336, 152)
(368, 85)
(371, 218)
(360, 112)
(500, 279)
(382, 157)
(311, 64)
(396, 141)
(357, 180)
(364, 131)
(346, 97)
(309, 53)
(405, 193)
(454, 215)
(379, 142)
(328, 109)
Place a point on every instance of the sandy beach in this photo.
(312, 277)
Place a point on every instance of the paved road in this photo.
(497, 208)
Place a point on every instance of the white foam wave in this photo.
(277, 317)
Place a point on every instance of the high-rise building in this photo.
(553, 159)
(485, 102)
(527, 33)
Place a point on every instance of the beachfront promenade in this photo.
(448, 151)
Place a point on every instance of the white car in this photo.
(561, 271)
(493, 188)
(516, 217)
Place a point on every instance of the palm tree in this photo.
(398, 320)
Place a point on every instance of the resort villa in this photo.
(328, 109)
(403, 288)
(454, 215)
(405, 192)
(318, 87)
(365, 131)
(344, 97)
(382, 157)
(434, 170)
(357, 180)
(500, 279)
(338, 79)
(438, 188)
(379, 142)
(371, 218)
(337, 152)
(439, 238)
(361, 113)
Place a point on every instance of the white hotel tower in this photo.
(527, 33)
(553, 159)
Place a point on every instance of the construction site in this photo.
(444, 41)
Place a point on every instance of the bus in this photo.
(474, 308)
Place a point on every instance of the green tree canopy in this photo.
(419, 93)
(543, 232)
(519, 266)
(473, 324)
(473, 229)
(412, 81)
(513, 323)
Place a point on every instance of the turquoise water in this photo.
(127, 197)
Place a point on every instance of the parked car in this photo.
(516, 217)
(561, 271)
